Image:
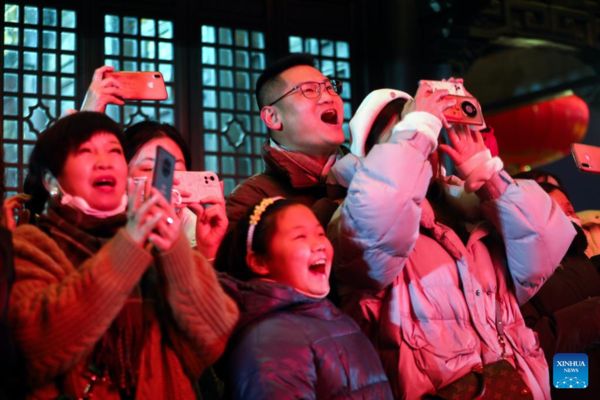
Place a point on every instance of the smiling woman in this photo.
(93, 273)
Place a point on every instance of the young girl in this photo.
(291, 342)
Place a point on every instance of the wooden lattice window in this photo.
(233, 133)
(333, 60)
(141, 44)
(39, 82)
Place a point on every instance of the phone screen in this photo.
(164, 168)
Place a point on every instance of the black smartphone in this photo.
(164, 169)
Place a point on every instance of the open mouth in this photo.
(330, 117)
(319, 267)
(105, 181)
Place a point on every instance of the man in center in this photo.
(304, 113)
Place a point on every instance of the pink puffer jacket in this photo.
(428, 302)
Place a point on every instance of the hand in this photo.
(432, 102)
(184, 195)
(211, 225)
(168, 228)
(152, 221)
(14, 206)
(103, 91)
(465, 144)
(140, 222)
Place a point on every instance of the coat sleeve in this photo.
(272, 360)
(566, 331)
(58, 312)
(204, 316)
(380, 218)
(536, 232)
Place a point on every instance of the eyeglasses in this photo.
(312, 90)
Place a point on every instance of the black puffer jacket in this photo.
(289, 346)
(565, 313)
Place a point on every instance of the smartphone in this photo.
(587, 158)
(142, 85)
(466, 111)
(200, 184)
(453, 88)
(164, 168)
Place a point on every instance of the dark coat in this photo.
(565, 313)
(10, 360)
(281, 178)
(289, 346)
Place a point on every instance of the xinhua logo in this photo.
(570, 371)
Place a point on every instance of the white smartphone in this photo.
(199, 184)
(453, 88)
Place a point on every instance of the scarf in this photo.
(302, 170)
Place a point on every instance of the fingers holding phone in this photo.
(433, 101)
(211, 224)
(139, 85)
(460, 106)
(168, 226)
(142, 219)
(103, 90)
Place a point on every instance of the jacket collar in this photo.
(257, 298)
(300, 170)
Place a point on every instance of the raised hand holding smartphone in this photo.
(141, 85)
(164, 170)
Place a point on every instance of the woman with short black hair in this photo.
(106, 303)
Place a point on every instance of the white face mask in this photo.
(79, 203)
(466, 203)
(576, 221)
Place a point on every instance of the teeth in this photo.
(106, 181)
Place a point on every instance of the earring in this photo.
(53, 191)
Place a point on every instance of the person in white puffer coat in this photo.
(441, 300)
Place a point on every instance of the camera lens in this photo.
(469, 109)
(166, 170)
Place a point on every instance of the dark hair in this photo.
(231, 257)
(538, 176)
(269, 83)
(55, 144)
(143, 132)
(392, 109)
(549, 188)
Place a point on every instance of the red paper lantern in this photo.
(539, 133)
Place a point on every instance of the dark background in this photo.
(547, 47)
